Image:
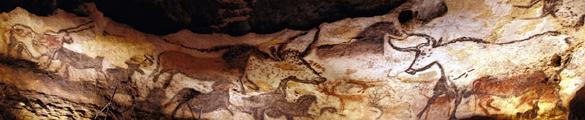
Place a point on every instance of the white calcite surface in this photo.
(493, 58)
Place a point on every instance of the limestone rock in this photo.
(453, 59)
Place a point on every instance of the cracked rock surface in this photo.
(452, 59)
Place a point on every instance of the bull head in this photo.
(21, 30)
(421, 51)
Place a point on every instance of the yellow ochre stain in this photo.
(287, 66)
(263, 86)
(123, 48)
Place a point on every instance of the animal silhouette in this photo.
(274, 104)
(203, 102)
(69, 58)
(233, 61)
(23, 38)
(433, 52)
(16, 44)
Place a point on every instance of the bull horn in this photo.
(430, 40)
(407, 49)
(78, 28)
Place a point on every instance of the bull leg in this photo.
(454, 111)
(441, 88)
(428, 105)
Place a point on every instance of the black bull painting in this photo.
(456, 74)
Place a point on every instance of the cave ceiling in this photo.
(292, 59)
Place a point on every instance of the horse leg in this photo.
(177, 109)
(244, 78)
(169, 79)
(242, 87)
(191, 110)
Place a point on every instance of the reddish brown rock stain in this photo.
(331, 88)
(174, 62)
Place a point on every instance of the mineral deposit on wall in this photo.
(453, 59)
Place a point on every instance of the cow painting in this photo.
(459, 60)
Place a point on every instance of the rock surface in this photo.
(234, 17)
(453, 59)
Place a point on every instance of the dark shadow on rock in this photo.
(577, 106)
(236, 17)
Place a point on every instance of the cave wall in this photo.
(422, 60)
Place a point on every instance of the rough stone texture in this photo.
(234, 17)
(457, 59)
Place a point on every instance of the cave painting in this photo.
(233, 62)
(274, 104)
(549, 7)
(203, 102)
(49, 44)
(570, 12)
(370, 40)
(432, 53)
(121, 78)
(531, 88)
